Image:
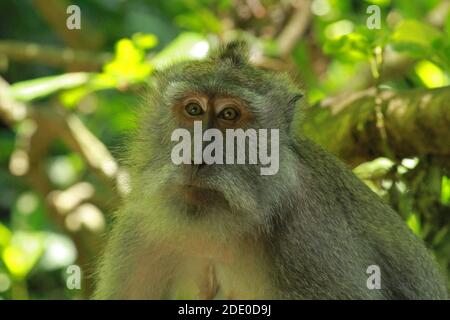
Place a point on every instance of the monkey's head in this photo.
(224, 92)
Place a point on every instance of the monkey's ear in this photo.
(292, 104)
(235, 51)
(296, 97)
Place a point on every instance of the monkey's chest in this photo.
(229, 274)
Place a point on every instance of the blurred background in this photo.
(376, 73)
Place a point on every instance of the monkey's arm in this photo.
(338, 229)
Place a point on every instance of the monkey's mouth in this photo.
(200, 194)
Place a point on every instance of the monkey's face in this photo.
(221, 96)
(211, 112)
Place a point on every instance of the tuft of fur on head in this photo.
(236, 52)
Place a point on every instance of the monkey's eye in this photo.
(193, 109)
(229, 114)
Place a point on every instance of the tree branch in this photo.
(417, 122)
(54, 12)
(53, 56)
(396, 64)
(295, 28)
(40, 127)
(66, 126)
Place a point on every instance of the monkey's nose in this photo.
(201, 166)
(198, 166)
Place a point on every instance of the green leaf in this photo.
(128, 66)
(382, 3)
(144, 41)
(445, 190)
(42, 87)
(377, 168)
(430, 74)
(415, 37)
(353, 46)
(22, 253)
(5, 236)
(413, 223)
(99, 81)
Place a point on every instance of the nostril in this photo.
(201, 165)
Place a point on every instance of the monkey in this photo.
(225, 231)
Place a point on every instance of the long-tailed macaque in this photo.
(201, 230)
